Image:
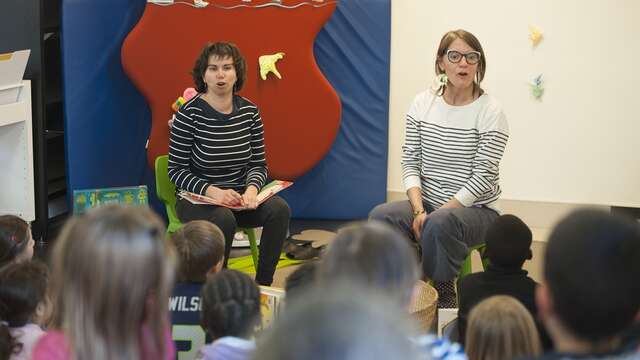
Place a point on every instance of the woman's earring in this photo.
(439, 82)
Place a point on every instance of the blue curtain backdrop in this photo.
(108, 121)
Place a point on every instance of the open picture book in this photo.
(267, 191)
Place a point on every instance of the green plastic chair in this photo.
(466, 266)
(166, 191)
(236, 263)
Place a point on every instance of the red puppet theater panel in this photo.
(300, 111)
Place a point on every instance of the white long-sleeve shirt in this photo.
(454, 151)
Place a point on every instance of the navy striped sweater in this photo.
(210, 148)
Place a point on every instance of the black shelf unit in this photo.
(35, 25)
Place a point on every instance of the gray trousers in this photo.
(446, 235)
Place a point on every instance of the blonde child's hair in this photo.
(501, 328)
(112, 270)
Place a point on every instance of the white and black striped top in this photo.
(454, 151)
(210, 148)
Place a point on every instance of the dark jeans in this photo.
(446, 235)
(273, 215)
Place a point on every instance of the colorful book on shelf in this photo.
(267, 191)
(84, 200)
(271, 304)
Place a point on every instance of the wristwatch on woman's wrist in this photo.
(418, 212)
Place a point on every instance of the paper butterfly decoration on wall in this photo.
(537, 87)
(535, 35)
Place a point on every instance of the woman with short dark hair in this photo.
(217, 149)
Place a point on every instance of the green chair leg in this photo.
(253, 244)
(166, 192)
(173, 227)
(466, 266)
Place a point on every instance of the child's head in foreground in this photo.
(200, 248)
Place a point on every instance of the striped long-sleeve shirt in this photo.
(454, 151)
(210, 148)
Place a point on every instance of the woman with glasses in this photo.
(454, 139)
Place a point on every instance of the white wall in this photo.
(579, 144)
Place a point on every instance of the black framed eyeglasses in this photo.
(471, 57)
